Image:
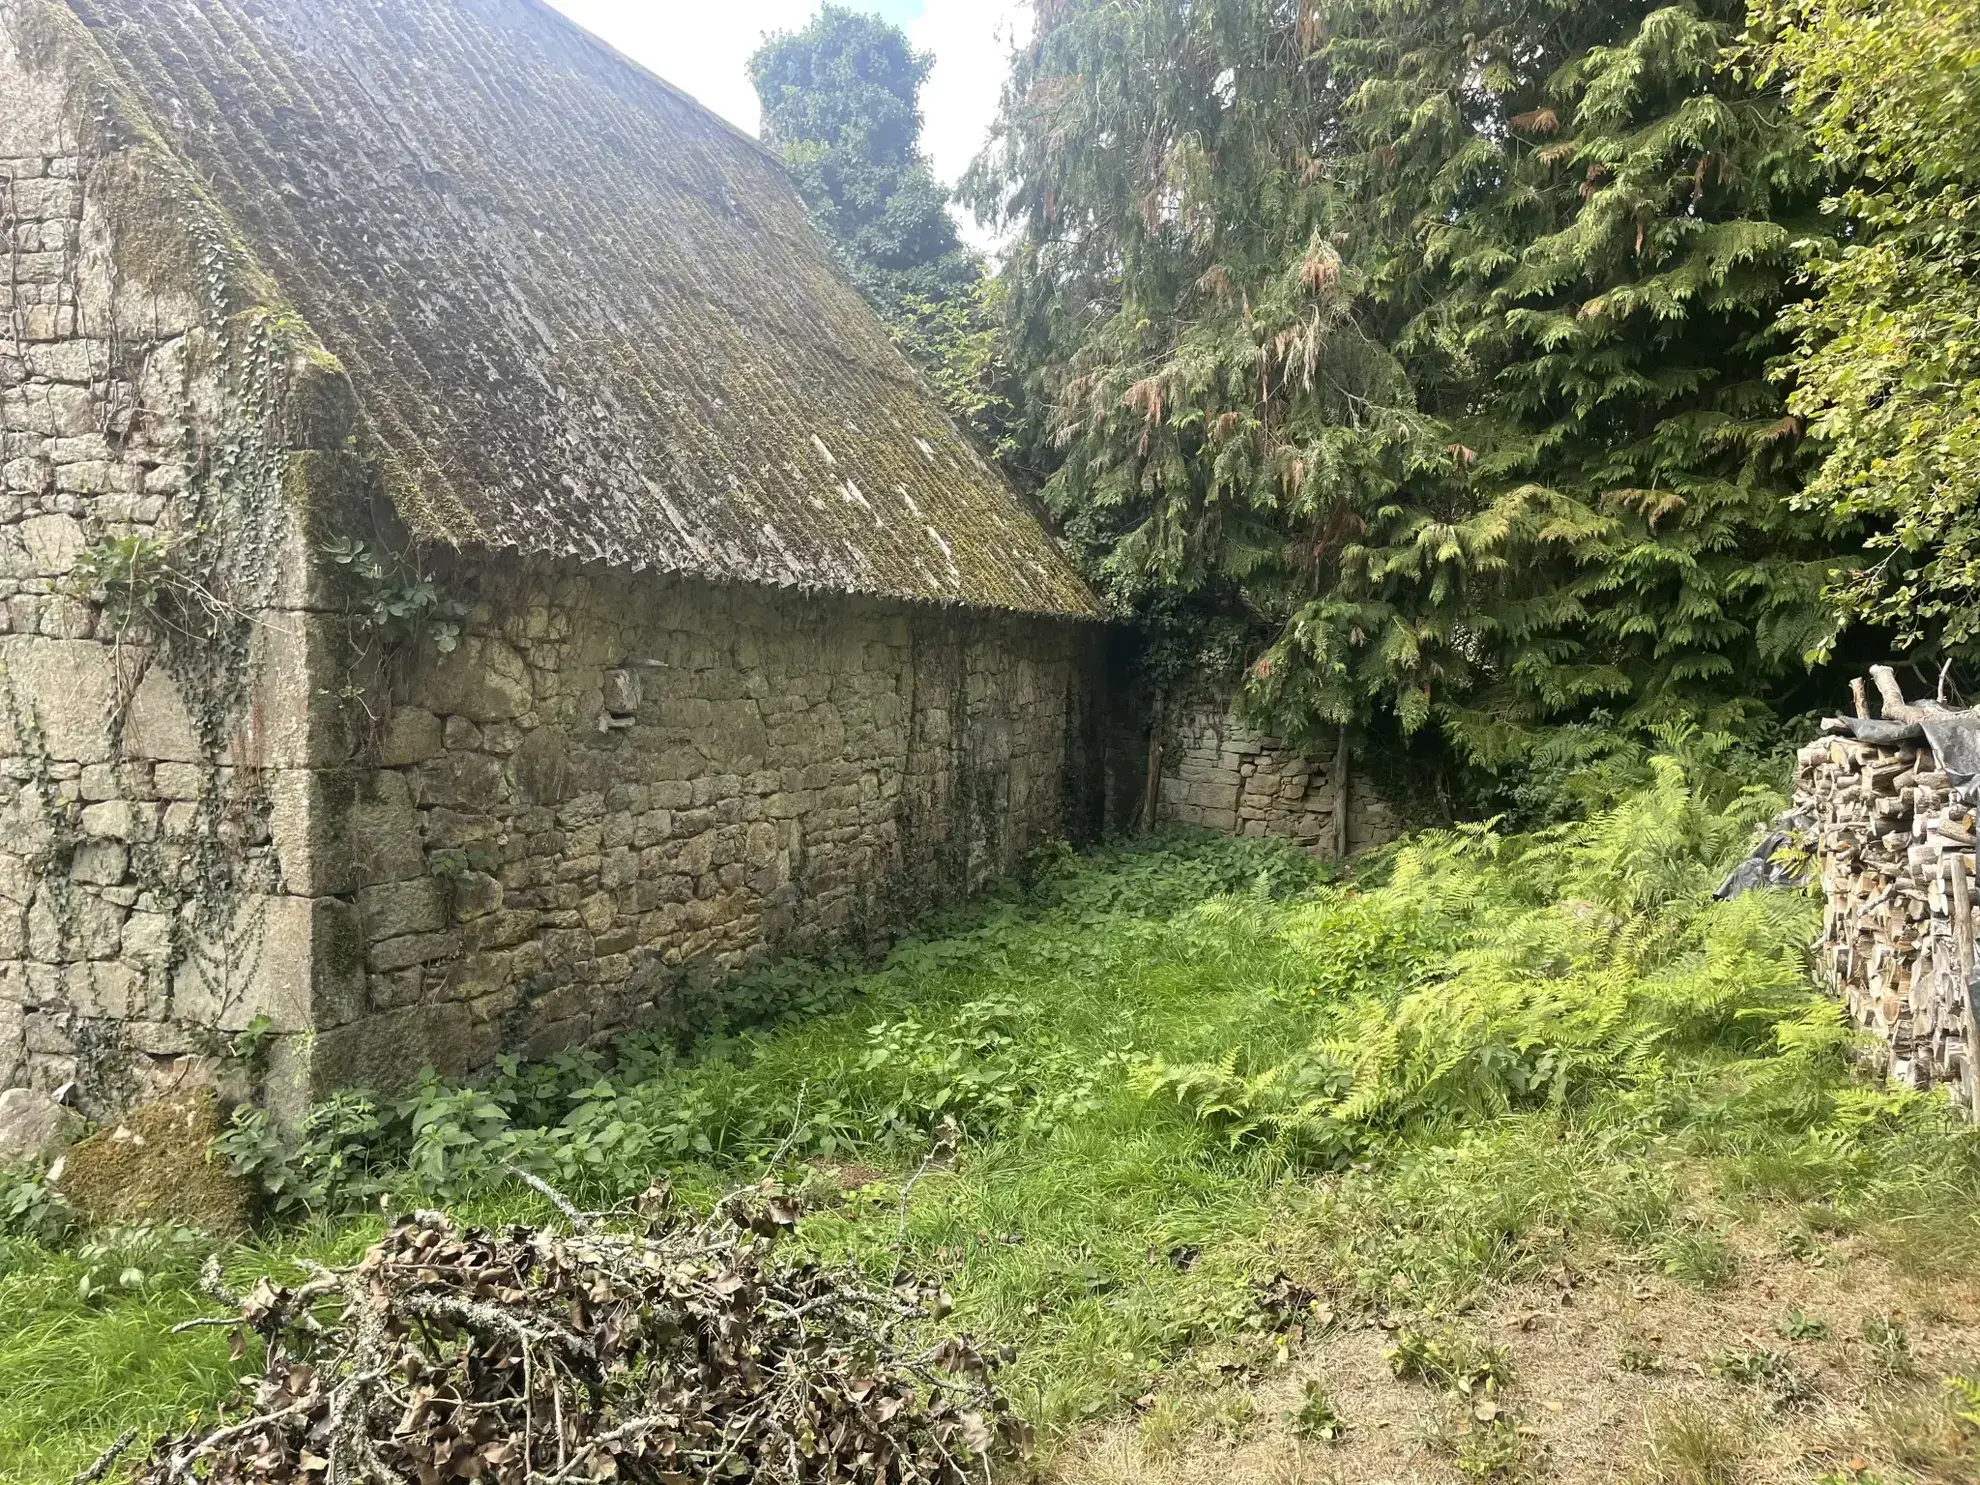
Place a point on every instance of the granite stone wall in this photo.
(622, 788)
(1220, 774)
(154, 695)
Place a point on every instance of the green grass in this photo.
(1180, 1072)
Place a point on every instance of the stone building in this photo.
(468, 563)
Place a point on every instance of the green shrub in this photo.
(31, 1208)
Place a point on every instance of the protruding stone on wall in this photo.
(34, 1127)
(1220, 774)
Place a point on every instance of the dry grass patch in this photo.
(1613, 1378)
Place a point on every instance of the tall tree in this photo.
(1890, 379)
(1429, 341)
(841, 103)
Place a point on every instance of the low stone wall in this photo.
(1889, 813)
(1219, 774)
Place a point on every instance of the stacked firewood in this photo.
(1889, 815)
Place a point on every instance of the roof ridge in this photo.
(640, 69)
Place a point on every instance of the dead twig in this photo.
(106, 1459)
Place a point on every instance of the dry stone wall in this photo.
(620, 786)
(1220, 774)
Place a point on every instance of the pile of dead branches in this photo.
(676, 1351)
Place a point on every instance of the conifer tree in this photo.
(1428, 341)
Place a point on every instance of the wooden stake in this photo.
(1151, 787)
(1341, 799)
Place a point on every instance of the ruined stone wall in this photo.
(1220, 774)
(619, 786)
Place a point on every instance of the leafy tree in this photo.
(1429, 339)
(1890, 379)
(841, 104)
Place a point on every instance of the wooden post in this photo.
(1151, 787)
(1959, 902)
(1341, 799)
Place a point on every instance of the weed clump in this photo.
(1888, 1341)
(1701, 1258)
(1690, 1445)
(1451, 1361)
(1316, 1416)
(1797, 1325)
(1496, 1451)
(1762, 1366)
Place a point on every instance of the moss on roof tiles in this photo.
(584, 317)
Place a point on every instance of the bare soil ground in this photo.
(1620, 1374)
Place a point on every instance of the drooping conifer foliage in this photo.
(1891, 374)
(1429, 341)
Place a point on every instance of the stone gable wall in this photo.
(620, 785)
(1220, 774)
(143, 905)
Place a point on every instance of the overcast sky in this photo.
(703, 47)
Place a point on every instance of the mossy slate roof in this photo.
(583, 316)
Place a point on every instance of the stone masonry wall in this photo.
(1219, 774)
(143, 907)
(621, 784)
